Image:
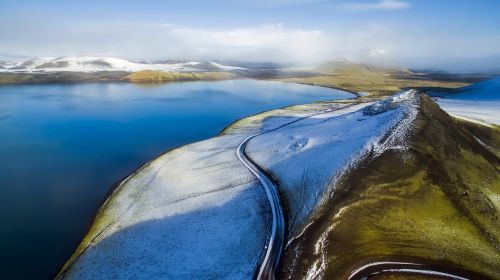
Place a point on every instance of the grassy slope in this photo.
(61, 77)
(348, 76)
(151, 76)
(376, 81)
(437, 203)
(110, 76)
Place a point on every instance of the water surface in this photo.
(64, 146)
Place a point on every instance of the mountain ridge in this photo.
(96, 64)
(433, 203)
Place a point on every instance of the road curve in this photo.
(277, 241)
(376, 268)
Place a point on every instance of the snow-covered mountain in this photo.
(5, 65)
(95, 64)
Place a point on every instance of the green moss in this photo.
(436, 204)
(376, 82)
(61, 77)
(153, 76)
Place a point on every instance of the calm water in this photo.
(64, 146)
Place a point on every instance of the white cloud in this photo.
(375, 43)
(377, 52)
(378, 5)
(271, 42)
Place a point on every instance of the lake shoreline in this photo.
(145, 164)
(89, 137)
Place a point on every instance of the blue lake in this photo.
(64, 146)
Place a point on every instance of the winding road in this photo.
(275, 247)
(277, 241)
(372, 269)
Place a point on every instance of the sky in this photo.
(460, 35)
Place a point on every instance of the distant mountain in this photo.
(151, 76)
(4, 65)
(344, 67)
(96, 64)
(212, 66)
(256, 65)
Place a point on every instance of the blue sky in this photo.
(384, 31)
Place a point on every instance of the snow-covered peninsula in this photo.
(197, 212)
(292, 185)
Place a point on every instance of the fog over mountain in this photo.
(303, 32)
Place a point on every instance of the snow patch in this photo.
(478, 111)
(479, 102)
(335, 143)
(95, 64)
(195, 212)
(389, 103)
